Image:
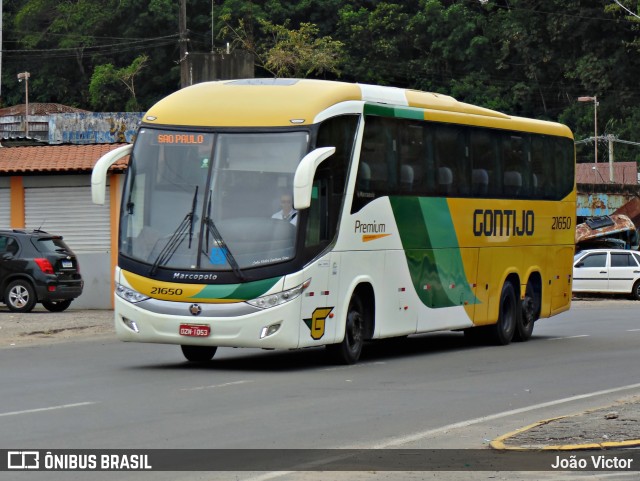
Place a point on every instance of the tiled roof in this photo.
(37, 108)
(56, 158)
(623, 173)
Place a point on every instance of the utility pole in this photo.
(25, 76)
(184, 53)
(611, 138)
(593, 99)
(0, 49)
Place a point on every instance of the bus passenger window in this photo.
(363, 193)
(480, 182)
(512, 183)
(451, 159)
(563, 161)
(364, 177)
(445, 181)
(484, 162)
(406, 178)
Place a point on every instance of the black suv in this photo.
(37, 267)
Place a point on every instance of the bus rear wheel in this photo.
(503, 331)
(529, 315)
(348, 351)
(199, 353)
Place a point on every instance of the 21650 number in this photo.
(166, 291)
(561, 223)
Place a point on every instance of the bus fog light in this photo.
(269, 330)
(131, 324)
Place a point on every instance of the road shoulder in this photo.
(43, 327)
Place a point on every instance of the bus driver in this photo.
(287, 212)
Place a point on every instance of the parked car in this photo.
(607, 270)
(37, 267)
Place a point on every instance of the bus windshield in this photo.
(211, 201)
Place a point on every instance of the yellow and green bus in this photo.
(412, 213)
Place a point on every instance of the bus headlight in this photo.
(272, 300)
(129, 294)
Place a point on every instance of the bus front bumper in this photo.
(274, 328)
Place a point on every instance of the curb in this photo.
(499, 442)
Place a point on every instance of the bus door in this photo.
(401, 309)
(319, 314)
(561, 278)
(319, 303)
(484, 286)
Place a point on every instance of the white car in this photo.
(607, 270)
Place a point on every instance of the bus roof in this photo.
(287, 102)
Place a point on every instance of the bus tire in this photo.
(529, 314)
(199, 353)
(502, 332)
(348, 351)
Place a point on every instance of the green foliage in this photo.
(102, 88)
(107, 80)
(522, 57)
(299, 53)
(288, 52)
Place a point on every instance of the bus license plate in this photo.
(193, 330)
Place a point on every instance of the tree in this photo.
(289, 52)
(380, 43)
(522, 57)
(61, 44)
(104, 81)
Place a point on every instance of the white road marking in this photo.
(463, 424)
(633, 330)
(353, 366)
(567, 337)
(214, 386)
(50, 408)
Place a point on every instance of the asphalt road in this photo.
(432, 391)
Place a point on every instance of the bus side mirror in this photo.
(303, 179)
(99, 173)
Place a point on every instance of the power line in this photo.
(90, 47)
(608, 138)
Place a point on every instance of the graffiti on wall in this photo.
(93, 128)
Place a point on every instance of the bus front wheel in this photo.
(348, 351)
(504, 329)
(198, 353)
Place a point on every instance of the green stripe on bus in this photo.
(432, 251)
(244, 292)
(398, 112)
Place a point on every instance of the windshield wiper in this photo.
(217, 237)
(192, 214)
(130, 204)
(177, 236)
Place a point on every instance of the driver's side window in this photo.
(330, 181)
(594, 260)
